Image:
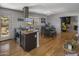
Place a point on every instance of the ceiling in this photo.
(43, 8)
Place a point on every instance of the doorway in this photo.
(69, 24)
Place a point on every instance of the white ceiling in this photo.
(43, 8)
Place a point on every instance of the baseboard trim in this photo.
(5, 40)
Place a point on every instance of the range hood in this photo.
(26, 12)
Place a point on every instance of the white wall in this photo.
(74, 20)
(13, 16)
(55, 19)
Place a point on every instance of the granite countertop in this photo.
(28, 32)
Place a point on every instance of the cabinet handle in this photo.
(35, 36)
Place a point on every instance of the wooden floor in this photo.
(48, 46)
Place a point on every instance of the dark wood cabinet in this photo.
(29, 41)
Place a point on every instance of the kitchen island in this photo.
(29, 40)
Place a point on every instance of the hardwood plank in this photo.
(48, 46)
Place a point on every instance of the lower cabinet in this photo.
(28, 41)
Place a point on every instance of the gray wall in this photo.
(56, 21)
(13, 16)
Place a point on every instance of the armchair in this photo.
(49, 31)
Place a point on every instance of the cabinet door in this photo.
(30, 42)
(33, 43)
(33, 40)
